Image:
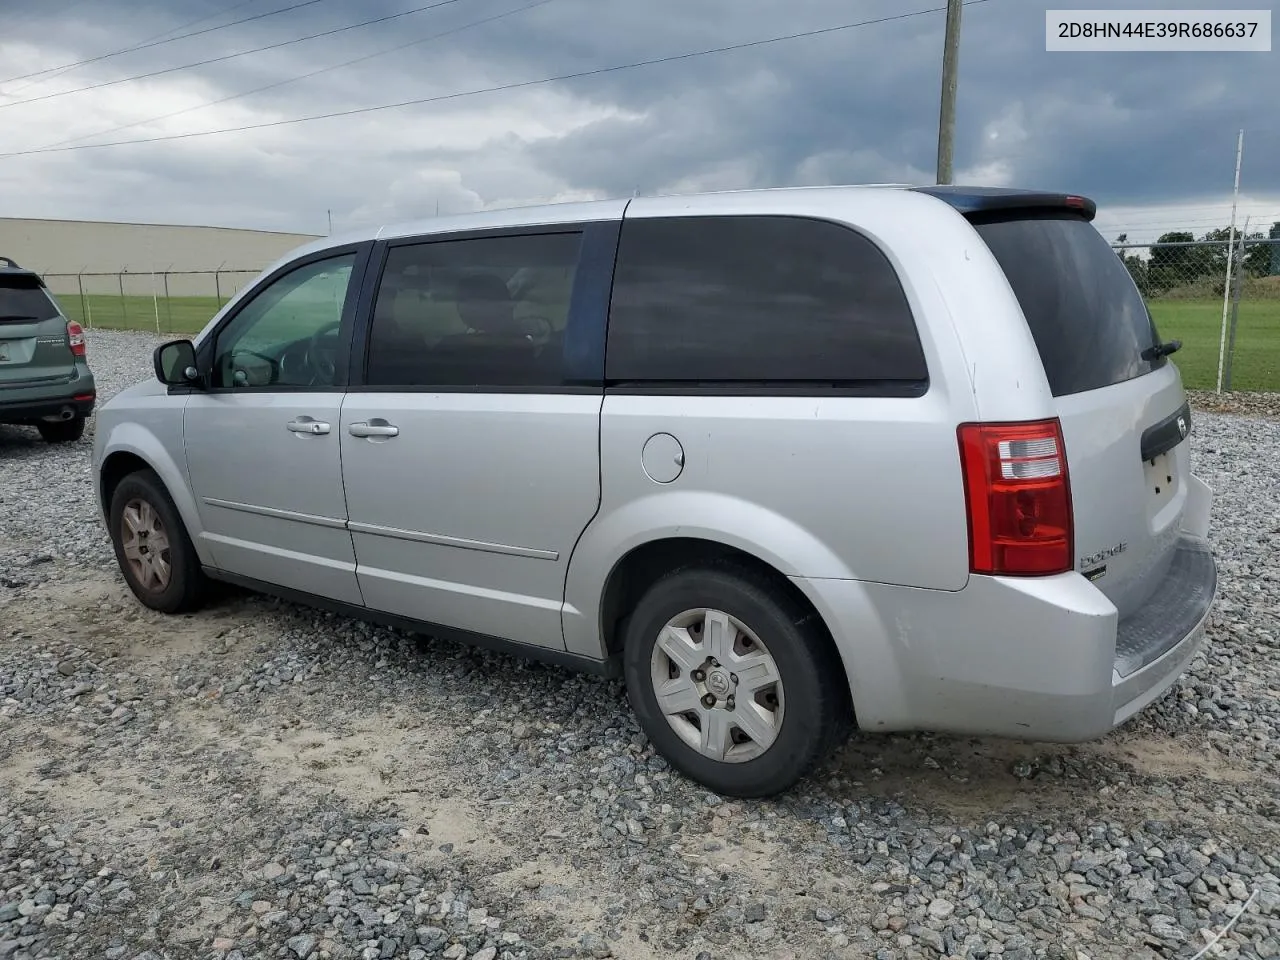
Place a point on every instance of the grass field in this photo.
(178, 315)
(1256, 364)
(1198, 324)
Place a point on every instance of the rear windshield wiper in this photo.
(1161, 350)
(17, 316)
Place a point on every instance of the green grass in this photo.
(1198, 324)
(1256, 363)
(178, 315)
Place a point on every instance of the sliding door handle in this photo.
(373, 428)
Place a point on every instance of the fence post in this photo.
(217, 287)
(124, 314)
(168, 301)
(1235, 316)
(155, 298)
(84, 304)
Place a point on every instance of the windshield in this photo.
(1088, 319)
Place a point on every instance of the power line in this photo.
(518, 85)
(157, 43)
(313, 73)
(229, 56)
(64, 70)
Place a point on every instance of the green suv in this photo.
(45, 380)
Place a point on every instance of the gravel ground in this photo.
(261, 780)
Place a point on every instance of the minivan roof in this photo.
(965, 200)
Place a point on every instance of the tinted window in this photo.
(1088, 320)
(24, 298)
(287, 335)
(734, 299)
(484, 312)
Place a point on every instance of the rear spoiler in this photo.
(972, 201)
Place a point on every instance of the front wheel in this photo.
(152, 547)
(61, 431)
(733, 681)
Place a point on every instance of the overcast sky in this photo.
(1150, 136)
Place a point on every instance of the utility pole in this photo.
(947, 115)
(330, 212)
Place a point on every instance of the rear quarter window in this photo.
(1088, 319)
(761, 301)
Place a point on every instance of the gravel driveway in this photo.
(261, 780)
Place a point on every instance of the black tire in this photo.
(817, 712)
(186, 586)
(61, 431)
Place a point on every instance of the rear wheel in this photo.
(152, 547)
(733, 681)
(61, 431)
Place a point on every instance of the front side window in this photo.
(483, 312)
(287, 335)
(757, 300)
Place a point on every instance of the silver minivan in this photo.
(789, 461)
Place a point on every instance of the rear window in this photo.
(760, 301)
(23, 298)
(1089, 322)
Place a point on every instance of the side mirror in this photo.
(175, 363)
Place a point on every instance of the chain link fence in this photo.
(1191, 285)
(167, 302)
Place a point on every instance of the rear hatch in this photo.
(1124, 415)
(34, 345)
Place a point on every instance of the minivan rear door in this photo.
(33, 335)
(1124, 416)
(471, 428)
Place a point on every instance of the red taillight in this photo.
(1018, 496)
(75, 334)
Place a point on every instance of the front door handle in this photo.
(376, 427)
(307, 425)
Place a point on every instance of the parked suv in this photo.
(45, 380)
(787, 460)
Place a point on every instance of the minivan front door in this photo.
(262, 442)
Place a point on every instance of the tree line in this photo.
(1170, 267)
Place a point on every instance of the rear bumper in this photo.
(37, 403)
(1036, 659)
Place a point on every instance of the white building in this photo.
(62, 249)
(76, 246)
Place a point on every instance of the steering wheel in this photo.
(538, 328)
(240, 378)
(321, 357)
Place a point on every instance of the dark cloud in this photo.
(857, 105)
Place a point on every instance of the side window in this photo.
(287, 335)
(489, 311)
(723, 300)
